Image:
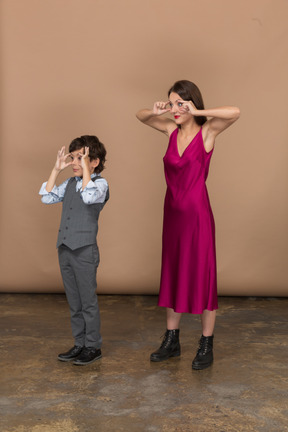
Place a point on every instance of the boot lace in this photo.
(204, 346)
(167, 339)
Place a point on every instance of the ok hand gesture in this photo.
(159, 108)
(188, 106)
(85, 158)
(61, 163)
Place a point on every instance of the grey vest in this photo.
(79, 221)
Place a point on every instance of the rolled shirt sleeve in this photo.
(95, 191)
(55, 196)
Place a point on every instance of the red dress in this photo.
(188, 275)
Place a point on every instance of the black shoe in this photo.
(87, 356)
(71, 354)
(204, 356)
(170, 347)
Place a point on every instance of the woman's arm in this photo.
(221, 119)
(153, 118)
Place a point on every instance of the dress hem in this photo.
(190, 312)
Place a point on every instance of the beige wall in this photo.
(72, 67)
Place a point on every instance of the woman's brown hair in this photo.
(187, 90)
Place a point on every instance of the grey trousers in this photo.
(78, 269)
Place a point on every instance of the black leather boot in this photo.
(170, 347)
(204, 356)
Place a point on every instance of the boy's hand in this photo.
(61, 163)
(85, 158)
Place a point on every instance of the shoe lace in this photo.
(86, 350)
(167, 337)
(204, 346)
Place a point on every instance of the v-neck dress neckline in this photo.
(191, 142)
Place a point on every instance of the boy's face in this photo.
(76, 158)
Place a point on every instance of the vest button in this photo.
(66, 227)
(64, 238)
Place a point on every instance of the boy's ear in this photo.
(95, 162)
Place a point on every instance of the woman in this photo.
(188, 275)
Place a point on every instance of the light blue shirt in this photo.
(94, 192)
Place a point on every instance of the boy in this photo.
(83, 196)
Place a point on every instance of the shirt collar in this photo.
(79, 179)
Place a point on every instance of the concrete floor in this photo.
(245, 389)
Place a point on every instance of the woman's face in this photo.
(177, 109)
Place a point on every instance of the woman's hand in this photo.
(152, 117)
(61, 163)
(188, 106)
(159, 108)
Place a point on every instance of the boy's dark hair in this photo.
(187, 90)
(96, 149)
